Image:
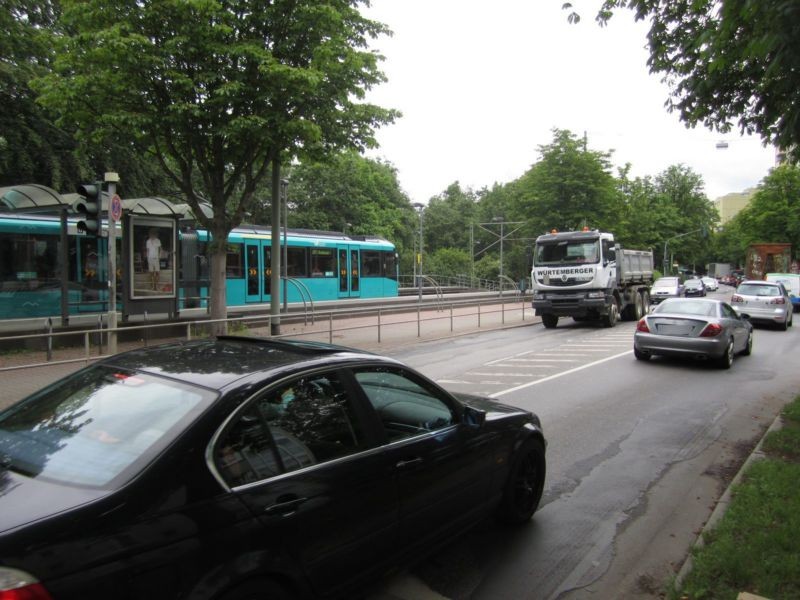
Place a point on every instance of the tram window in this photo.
(323, 262)
(296, 265)
(234, 266)
(390, 265)
(370, 263)
(28, 261)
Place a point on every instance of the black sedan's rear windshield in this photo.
(96, 426)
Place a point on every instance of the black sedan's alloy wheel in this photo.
(525, 484)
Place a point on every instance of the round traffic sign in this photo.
(116, 207)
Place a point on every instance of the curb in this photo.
(725, 500)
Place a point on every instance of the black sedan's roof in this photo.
(218, 362)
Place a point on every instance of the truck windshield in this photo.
(567, 253)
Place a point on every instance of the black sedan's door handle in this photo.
(285, 508)
(402, 464)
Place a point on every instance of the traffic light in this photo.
(89, 207)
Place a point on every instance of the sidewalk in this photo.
(371, 329)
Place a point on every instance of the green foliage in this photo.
(726, 62)
(571, 186)
(448, 217)
(773, 214)
(354, 194)
(448, 262)
(220, 93)
(763, 520)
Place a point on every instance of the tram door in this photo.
(253, 269)
(349, 272)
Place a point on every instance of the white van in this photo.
(791, 281)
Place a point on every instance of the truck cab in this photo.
(587, 276)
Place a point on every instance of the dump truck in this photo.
(587, 276)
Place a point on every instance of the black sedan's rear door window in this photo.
(299, 424)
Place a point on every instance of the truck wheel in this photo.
(610, 318)
(549, 321)
(633, 312)
(645, 303)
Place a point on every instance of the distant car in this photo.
(694, 287)
(665, 287)
(764, 302)
(710, 283)
(701, 328)
(243, 468)
(791, 281)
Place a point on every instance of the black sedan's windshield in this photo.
(89, 429)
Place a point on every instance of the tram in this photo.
(319, 266)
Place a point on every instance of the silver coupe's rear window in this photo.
(96, 426)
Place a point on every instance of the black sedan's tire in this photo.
(524, 485)
(726, 360)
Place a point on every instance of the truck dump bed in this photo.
(634, 266)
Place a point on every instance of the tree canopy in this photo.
(221, 93)
(726, 62)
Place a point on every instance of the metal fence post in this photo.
(49, 327)
(451, 318)
(330, 327)
(479, 315)
(502, 310)
(188, 332)
(100, 335)
(379, 325)
(86, 346)
(146, 330)
(419, 330)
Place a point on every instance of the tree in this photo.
(448, 218)
(726, 61)
(32, 148)
(569, 187)
(348, 192)
(773, 214)
(221, 93)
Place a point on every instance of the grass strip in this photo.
(756, 545)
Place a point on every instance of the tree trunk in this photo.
(218, 299)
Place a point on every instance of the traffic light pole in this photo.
(112, 179)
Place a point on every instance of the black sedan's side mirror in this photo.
(474, 417)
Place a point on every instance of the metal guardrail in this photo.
(330, 324)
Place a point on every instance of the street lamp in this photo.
(419, 207)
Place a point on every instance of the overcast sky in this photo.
(482, 84)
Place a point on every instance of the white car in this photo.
(711, 284)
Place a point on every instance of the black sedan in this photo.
(694, 287)
(239, 468)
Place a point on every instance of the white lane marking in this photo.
(535, 360)
(575, 370)
(507, 374)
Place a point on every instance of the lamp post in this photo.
(285, 248)
(675, 237)
(420, 207)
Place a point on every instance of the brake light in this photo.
(779, 300)
(736, 298)
(19, 585)
(642, 326)
(711, 330)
